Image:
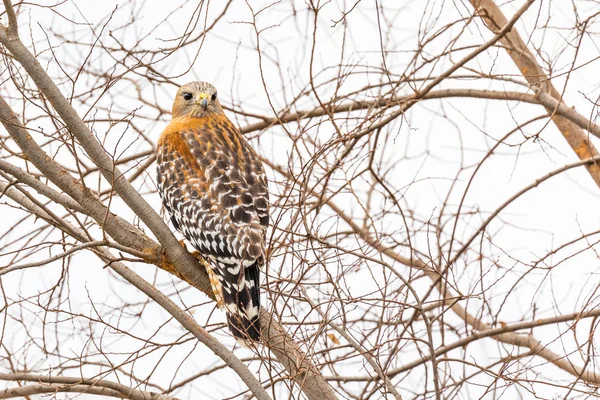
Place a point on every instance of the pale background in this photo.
(431, 144)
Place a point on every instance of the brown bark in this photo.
(531, 70)
(178, 260)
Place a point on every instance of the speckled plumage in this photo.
(214, 187)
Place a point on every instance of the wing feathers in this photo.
(214, 187)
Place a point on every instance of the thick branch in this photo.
(560, 108)
(30, 390)
(119, 229)
(40, 187)
(288, 352)
(51, 384)
(523, 58)
(13, 27)
(186, 321)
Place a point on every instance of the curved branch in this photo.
(51, 384)
(186, 321)
(180, 262)
(539, 98)
(528, 341)
(503, 331)
(29, 390)
(40, 187)
(493, 18)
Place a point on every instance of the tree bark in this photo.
(494, 19)
(179, 261)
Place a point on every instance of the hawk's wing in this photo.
(214, 186)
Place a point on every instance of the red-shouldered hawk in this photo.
(214, 187)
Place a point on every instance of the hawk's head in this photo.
(196, 99)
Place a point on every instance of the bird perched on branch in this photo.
(213, 186)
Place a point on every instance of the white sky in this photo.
(430, 145)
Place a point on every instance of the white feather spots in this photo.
(234, 270)
(251, 311)
(219, 203)
(231, 307)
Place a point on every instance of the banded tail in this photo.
(238, 288)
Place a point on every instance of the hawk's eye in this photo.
(187, 96)
(213, 97)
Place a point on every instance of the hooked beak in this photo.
(202, 100)
(204, 104)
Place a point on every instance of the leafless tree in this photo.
(433, 233)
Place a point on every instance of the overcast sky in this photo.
(431, 144)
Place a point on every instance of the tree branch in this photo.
(13, 26)
(534, 74)
(122, 231)
(185, 265)
(450, 297)
(183, 318)
(40, 187)
(51, 384)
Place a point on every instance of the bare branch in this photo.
(531, 70)
(52, 384)
(13, 27)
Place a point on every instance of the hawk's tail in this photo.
(241, 299)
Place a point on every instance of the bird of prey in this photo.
(214, 187)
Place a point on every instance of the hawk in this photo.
(213, 186)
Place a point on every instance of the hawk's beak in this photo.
(202, 100)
